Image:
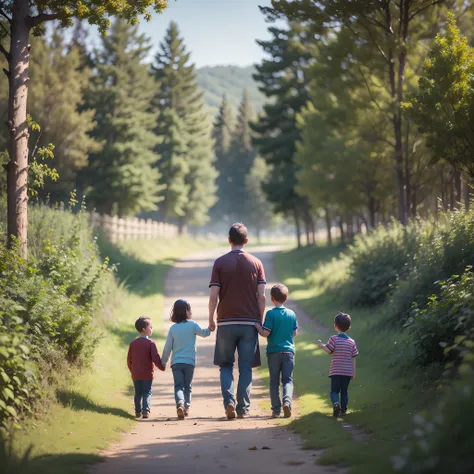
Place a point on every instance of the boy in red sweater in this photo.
(142, 354)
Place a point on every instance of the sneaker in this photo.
(230, 411)
(242, 415)
(343, 411)
(275, 414)
(138, 414)
(336, 409)
(146, 414)
(286, 410)
(180, 411)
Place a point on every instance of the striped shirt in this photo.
(343, 350)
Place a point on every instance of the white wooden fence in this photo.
(131, 228)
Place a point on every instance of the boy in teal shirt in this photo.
(280, 327)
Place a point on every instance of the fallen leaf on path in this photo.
(253, 448)
(69, 434)
(266, 447)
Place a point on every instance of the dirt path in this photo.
(207, 442)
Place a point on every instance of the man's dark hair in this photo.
(238, 233)
(342, 321)
(279, 293)
(178, 313)
(142, 323)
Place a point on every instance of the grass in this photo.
(383, 398)
(94, 407)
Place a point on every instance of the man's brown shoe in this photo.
(230, 411)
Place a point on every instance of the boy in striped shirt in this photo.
(343, 363)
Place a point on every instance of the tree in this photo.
(120, 178)
(56, 97)
(443, 107)
(222, 135)
(22, 17)
(282, 80)
(260, 214)
(392, 29)
(185, 148)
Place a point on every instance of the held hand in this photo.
(353, 377)
(320, 343)
(162, 367)
(212, 326)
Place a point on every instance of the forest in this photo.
(358, 123)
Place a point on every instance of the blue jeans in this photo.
(183, 380)
(142, 395)
(281, 364)
(340, 384)
(229, 338)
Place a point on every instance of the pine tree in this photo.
(241, 158)
(185, 148)
(282, 80)
(56, 97)
(222, 134)
(121, 178)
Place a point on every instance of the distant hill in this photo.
(231, 80)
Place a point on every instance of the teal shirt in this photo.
(181, 342)
(281, 322)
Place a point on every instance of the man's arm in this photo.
(261, 298)
(213, 299)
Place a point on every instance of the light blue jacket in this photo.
(181, 341)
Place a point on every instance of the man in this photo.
(238, 291)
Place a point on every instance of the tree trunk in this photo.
(259, 231)
(457, 184)
(313, 230)
(327, 218)
(341, 230)
(297, 227)
(307, 230)
(467, 190)
(181, 226)
(17, 167)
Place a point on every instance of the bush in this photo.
(442, 442)
(378, 260)
(50, 301)
(443, 252)
(444, 321)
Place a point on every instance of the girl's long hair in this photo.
(179, 311)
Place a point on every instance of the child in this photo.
(280, 326)
(343, 363)
(181, 341)
(142, 354)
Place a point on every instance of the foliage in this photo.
(439, 330)
(443, 107)
(381, 258)
(56, 98)
(442, 440)
(121, 177)
(185, 147)
(47, 308)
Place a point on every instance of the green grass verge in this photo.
(94, 407)
(383, 398)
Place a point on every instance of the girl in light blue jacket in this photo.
(181, 342)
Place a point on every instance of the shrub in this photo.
(378, 260)
(442, 442)
(444, 321)
(443, 252)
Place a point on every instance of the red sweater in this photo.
(142, 353)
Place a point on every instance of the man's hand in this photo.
(212, 326)
(162, 367)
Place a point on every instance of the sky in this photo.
(217, 32)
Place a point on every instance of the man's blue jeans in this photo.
(183, 380)
(281, 365)
(340, 384)
(229, 338)
(142, 395)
